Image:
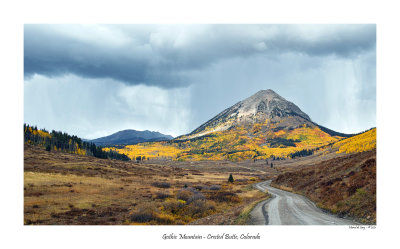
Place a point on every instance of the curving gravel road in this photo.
(285, 208)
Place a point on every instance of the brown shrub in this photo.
(200, 208)
(143, 217)
(162, 195)
(173, 206)
(196, 197)
(224, 196)
(145, 213)
(184, 195)
(215, 187)
(161, 184)
(164, 219)
(201, 187)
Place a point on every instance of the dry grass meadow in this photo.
(62, 188)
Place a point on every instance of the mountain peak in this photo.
(269, 103)
(266, 92)
(264, 95)
(130, 136)
(261, 106)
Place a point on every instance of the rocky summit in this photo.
(265, 105)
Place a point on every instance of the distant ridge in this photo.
(130, 137)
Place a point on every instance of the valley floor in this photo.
(62, 188)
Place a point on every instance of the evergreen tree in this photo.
(230, 179)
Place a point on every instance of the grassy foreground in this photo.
(62, 188)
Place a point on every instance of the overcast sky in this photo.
(94, 80)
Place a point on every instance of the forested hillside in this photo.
(362, 142)
(60, 141)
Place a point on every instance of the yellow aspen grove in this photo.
(233, 144)
(359, 143)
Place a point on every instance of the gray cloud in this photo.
(92, 80)
(322, 40)
(167, 55)
(49, 53)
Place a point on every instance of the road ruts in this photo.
(285, 208)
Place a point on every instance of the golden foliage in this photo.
(43, 133)
(161, 150)
(359, 143)
(238, 143)
(80, 151)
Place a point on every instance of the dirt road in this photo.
(285, 208)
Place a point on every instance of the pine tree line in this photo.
(61, 141)
(301, 153)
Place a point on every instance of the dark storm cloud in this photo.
(167, 55)
(321, 40)
(52, 54)
(172, 78)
